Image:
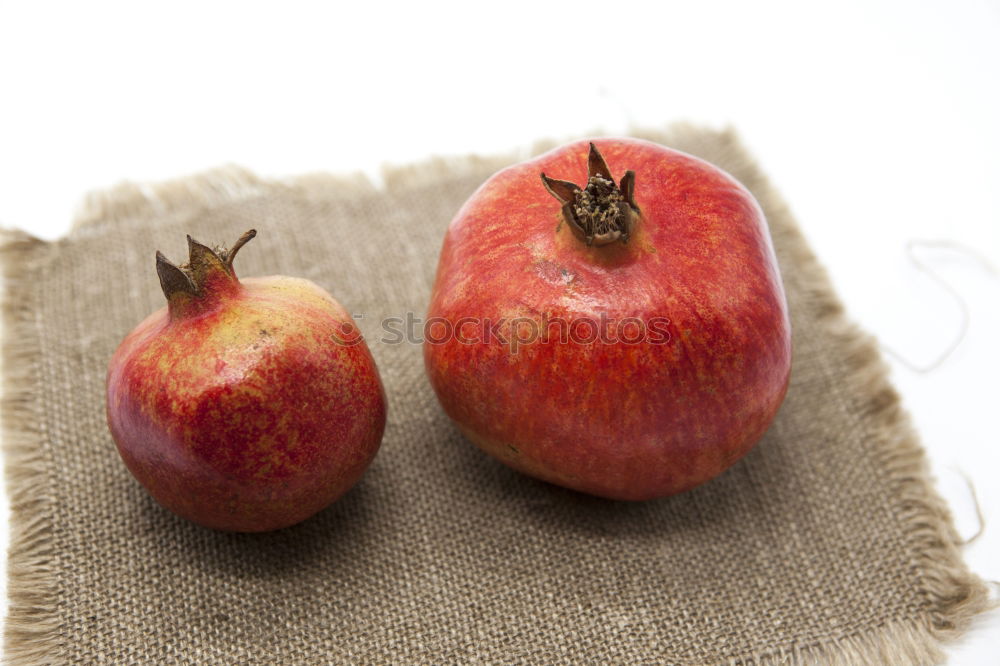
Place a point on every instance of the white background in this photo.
(876, 120)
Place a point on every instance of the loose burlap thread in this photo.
(826, 544)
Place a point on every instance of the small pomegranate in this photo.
(244, 405)
(625, 337)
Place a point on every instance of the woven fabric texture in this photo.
(826, 544)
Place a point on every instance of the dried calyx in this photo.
(208, 271)
(601, 212)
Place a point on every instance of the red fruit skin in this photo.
(622, 421)
(252, 415)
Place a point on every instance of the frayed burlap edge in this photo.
(32, 625)
(953, 595)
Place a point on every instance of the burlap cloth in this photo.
(826, 544)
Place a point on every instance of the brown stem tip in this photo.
(206, 266)
(601, 212)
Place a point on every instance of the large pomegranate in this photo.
(627, 337)
(244, 405)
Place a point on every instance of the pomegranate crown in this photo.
(601, 212)
(208, 271)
